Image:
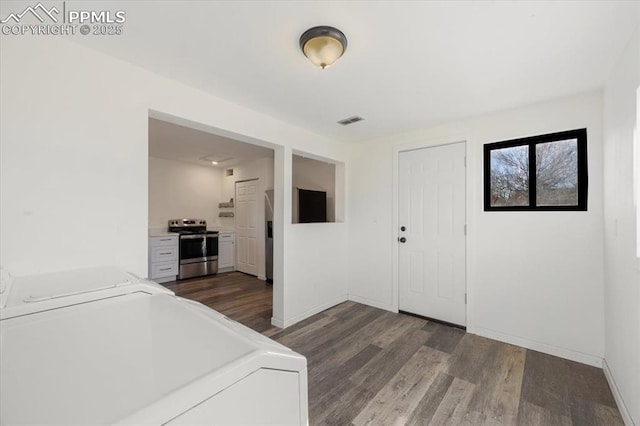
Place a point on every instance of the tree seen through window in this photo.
(558, 183)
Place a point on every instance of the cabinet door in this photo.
(226, 255)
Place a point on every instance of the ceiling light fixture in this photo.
(215, 163)
(323, 45)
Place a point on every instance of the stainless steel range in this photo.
(198, 248)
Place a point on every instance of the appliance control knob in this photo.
(402, 239)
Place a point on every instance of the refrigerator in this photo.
(268, 251)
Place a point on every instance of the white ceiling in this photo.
(174, 142)
(408, 64)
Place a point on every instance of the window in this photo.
(546, 172)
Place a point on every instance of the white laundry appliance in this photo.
(101, 346)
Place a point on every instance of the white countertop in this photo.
(160, 232)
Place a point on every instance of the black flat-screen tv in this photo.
(312, 206)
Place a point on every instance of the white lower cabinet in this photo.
(226, 251)
(163, 258)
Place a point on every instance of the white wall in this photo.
(262, 170)
(74, 145)
(533, 278)
(316, 176)
(320, 264)
(622, 268)
(258, 169)
(178, 189)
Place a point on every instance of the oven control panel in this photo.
(187, 222)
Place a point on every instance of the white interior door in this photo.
(247, 226)
(432, 260)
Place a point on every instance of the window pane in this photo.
(557, 173)
(510, 176)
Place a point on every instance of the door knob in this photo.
(403, 228)
(402, 239)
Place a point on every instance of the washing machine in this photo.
(102, 346)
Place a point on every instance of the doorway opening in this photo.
(195, 172)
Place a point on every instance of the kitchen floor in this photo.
(370, 366)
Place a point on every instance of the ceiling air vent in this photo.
(350, 120)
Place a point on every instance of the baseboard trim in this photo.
(323, 307)
(369, 302)
(262, 277)
(622, 407)
(541, 347)
(276, 322)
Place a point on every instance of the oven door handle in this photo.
(192, 237)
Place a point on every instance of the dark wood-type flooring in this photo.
(241, 297)
(370, 366)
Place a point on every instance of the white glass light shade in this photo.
(323, 45)
(323, 51)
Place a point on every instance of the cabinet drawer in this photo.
(169, 240)
(164, 253)
(227, 237)
(164, 269)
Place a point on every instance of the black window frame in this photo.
(583, 177)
